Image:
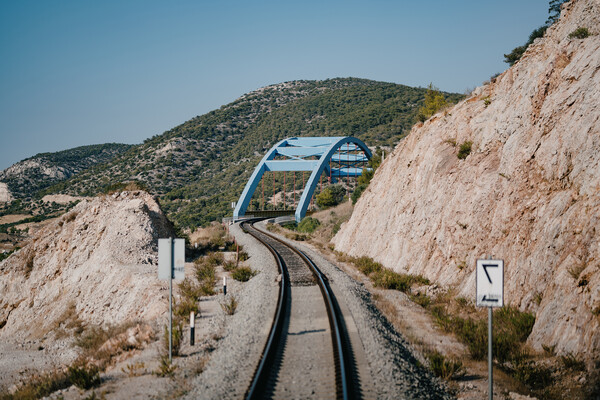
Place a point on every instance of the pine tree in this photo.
(434, 101)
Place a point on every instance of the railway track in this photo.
(308, 352)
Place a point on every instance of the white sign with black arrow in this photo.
(490, 283)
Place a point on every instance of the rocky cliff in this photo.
(97, 264)
(528, 192)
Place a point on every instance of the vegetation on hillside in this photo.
(365, 178)
(44, 169)
(199, 167)
(553, 16)
(434, 102)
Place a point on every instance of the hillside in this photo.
(105, 243)
(90, 270)
(527, 190)
(27, 177)
(200, 166)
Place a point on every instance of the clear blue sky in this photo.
(85, 72)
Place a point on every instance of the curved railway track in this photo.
(308, 352)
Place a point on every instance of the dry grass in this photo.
(68, 323)
(576, 270)
(70, 216)
(212, 238)
(41, 385)
(94, 339)
(135, 369)
(230, 305)
(444, 367)
(201, 364)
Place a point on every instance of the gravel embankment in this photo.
(395, 371)
(231, 367)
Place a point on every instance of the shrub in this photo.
(190, 290)
(176, 338)
(184, 307)
(40, 386)
(569, 361)
(576, 270)
(207, 287)
(84, 377)
(434, 101)
(511, 329)
(71, 216)
(205, 272)
(229, 266)
(331, 196)
(388, 279)
(135, 369)
(165, 368)
(367, 265)
(421, 299)
(516, 54)
(464, 150)
(444, 368)
(243, 274)
(242, 255)
(579, 33)
(531, 374)
(230, 306)
(308, 225)
(358, 192)
(215, 259)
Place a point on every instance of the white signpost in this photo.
(490, 293)
(171, 265)
(490, 283)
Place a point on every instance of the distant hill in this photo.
(200, 166)
(27, 177)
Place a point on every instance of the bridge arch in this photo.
(299, 154)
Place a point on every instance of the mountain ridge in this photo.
(200, 166)
(28, 176)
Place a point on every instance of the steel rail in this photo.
(261, 375)
(340, 347)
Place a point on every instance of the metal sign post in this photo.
(490, 293)
(171, 265)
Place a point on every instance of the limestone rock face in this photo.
(5, 195)
(529, 192)
(97, 263)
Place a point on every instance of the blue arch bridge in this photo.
(333, 157)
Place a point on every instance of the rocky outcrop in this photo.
(529, 192)
(5, 195)
(97, 264)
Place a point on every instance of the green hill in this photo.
(27, 177)
(200, 166)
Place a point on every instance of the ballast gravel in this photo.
(231, 366)
(394, 369)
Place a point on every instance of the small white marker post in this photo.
(224, 286)
(192, 328)
(490, 293)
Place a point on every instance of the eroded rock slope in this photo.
(529, 192)
(97, 263)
